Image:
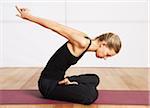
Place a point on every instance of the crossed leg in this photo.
(84, 93)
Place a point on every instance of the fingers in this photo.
(26, 9)
(67, 82)
(18, 9)
(18, 15)
(74, 82)
(22, 9)
(62, 82)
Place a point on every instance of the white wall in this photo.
(148, 33)
(1, 42)
(28, 44)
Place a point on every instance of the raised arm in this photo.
(74, 36)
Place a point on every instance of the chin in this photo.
(98, 56)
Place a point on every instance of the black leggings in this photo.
(84, 93)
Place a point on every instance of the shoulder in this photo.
(77, 50)
(85, 41)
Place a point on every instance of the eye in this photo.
(108, 55)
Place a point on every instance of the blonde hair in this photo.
(113, 41)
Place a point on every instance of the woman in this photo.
(78, 89)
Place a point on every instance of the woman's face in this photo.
(104, 52)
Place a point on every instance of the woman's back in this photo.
(61, 60)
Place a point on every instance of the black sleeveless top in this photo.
(61, 60)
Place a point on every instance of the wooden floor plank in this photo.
(110, 79)
(72, 106)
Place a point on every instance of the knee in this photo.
(96, 79)
(89, 99)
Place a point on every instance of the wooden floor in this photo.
(110, 79)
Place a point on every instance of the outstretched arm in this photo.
(74, 36)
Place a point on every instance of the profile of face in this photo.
(104, 52)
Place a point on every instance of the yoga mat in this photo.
(109, 97)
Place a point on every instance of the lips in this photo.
(97, 56)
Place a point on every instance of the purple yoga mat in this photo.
(109, 97)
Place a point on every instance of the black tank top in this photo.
(61, 60)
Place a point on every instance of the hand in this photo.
(24, 12)
(67, 82)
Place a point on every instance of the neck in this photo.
(94, 46)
